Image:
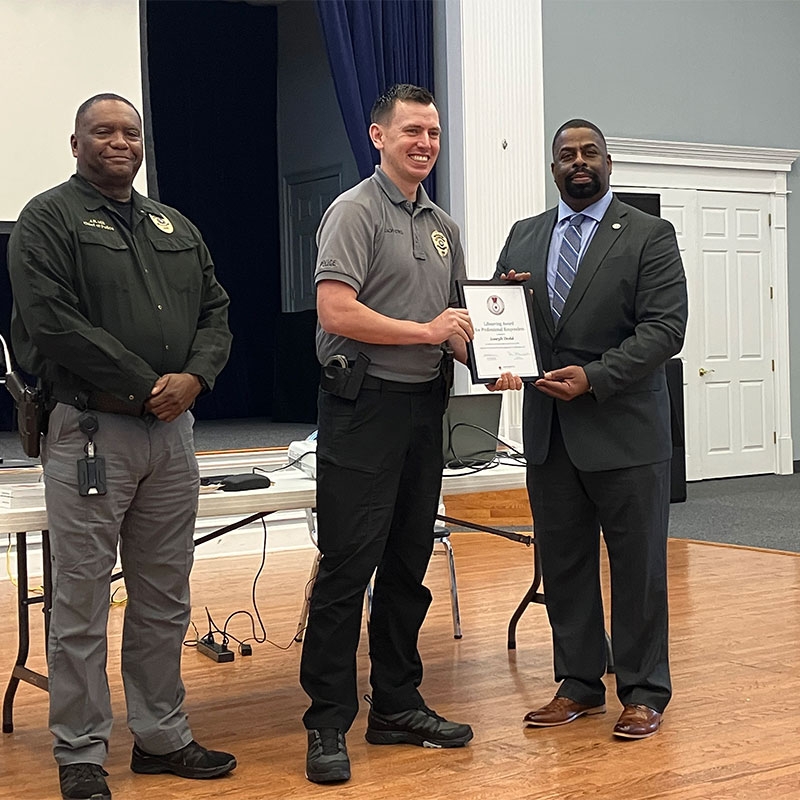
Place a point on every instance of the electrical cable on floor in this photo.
(36, 590)
(227, 636)
(122, 601)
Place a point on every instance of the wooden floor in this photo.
(732, 730)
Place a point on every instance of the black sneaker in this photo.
(416, 726)
(83, 782)
(192, 761)
(327, 760)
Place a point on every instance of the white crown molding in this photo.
(645, 151)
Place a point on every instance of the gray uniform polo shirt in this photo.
(403, 260)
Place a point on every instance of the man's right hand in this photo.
(451, 322)
(172, 394)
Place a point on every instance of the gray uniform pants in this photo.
(149, 511)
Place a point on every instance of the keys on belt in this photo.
(92, 468)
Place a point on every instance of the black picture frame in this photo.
(510, 296)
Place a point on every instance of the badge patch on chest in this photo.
(440, 243)
(161, 222)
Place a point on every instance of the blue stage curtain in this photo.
(373, 44)
(212, 70)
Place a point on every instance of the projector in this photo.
(303, 455)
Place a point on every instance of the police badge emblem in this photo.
(440, 243)
(161, 222)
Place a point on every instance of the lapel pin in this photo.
(616, 226)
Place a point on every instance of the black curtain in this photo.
(7, 419)
(373, 44)
(212, 73)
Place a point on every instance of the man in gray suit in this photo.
(609, 304)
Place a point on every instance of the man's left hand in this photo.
(504, 382)
(565, 383)
(512, 275)
(172, 394)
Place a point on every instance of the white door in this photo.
(306, 197)
(734, 367)
(728, 355)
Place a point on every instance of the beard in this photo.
(579, 191)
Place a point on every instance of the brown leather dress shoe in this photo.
(559, 711)
(637, 722)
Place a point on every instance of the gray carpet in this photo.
(240, 434)
(759, 511)
(11, 450)
(755, 511)
(224, 434)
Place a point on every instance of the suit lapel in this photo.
(608, 231)
(540, 250)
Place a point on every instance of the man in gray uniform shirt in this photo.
(386, 271)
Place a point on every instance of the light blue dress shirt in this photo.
(593, 213)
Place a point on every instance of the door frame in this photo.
(650, 165)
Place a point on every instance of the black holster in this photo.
(33, 412)
(344, 381)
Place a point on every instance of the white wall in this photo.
(495, 139)
(54, 55)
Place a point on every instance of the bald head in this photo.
(87, 104)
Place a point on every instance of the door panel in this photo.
(729, 383)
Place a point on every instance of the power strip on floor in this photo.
(215, 651)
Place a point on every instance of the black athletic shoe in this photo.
(192, 761)
(419, 726)
(83, 782)
(327, 760)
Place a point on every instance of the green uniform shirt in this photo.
(99, 306)
(403, 260)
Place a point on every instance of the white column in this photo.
(495, 135)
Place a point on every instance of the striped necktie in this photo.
(567, 264)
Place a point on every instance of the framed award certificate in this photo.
(505, 338)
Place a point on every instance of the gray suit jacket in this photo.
(624, 317)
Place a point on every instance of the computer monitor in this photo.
(470, 427)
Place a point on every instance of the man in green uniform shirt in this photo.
(118, 313)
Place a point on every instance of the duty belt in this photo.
(381, 385)
(98, 401)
